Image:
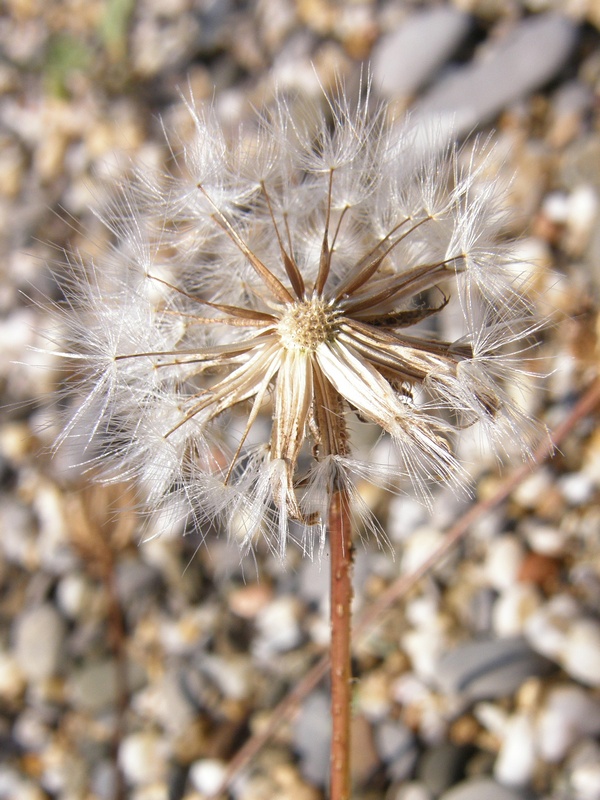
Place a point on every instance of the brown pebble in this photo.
(290, 785)
(547, 230)
(318, 15)
(248, 601)
(364, 759)
(551, 505)
(193, 742)
(539, 569)
(464, 730)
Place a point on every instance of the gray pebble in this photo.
(31, 730)
(39, 635)
(14, 786)
(406, 58)
(488, 668)
(482, 789)
(104, 780)
(397, 747)
(573, 97)
(442, 766)
(526, 58)
(312, 733)
(93, 688)
(314, 580)
(18, 540)
(409, 791)
(480, 610)
(136, 582)
(580, 163)
(214, 19)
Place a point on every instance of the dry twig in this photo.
(585, 406)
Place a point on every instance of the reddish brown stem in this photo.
(340, 546)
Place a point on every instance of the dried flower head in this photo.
(303, 270)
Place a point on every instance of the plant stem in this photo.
(340, 545)
(586, 405)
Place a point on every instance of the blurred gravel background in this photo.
(133, 670)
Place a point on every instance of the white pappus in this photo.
(298, 273)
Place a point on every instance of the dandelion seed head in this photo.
(306, 325)
(301, 272)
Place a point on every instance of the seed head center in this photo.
(306, 325)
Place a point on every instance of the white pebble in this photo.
(319, 630)
(422, 611)
(577, 488)
(64, 772)
(73, 595)
(581, 652)
(556, 207)
(412, 693)
(28, 791)
(424, 648)
(412, 791)
(585, 781)
(516, 759)
(372, 699)
(409, 690)
(529, 492)
(419, 547)
(554, 735)
(231, 675)
(544, 539)
(12, 680)
(55, 554)
(563, 375)
(180, 636)
(207, 775)
(504, 558)
(142, 757)
(532, 257)
(155, 791)
(278, 626)
(167, 702)
(568, 712)
(39, 637)
(581, 216)
(513, 607)
(480, 788)
(492, 717)
(546, 629)
(591, 464)
(405, 515)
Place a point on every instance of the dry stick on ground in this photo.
(99, 535)
(118, 641)
(586, 405)
(341, 549)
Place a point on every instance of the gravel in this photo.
(144, 663)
